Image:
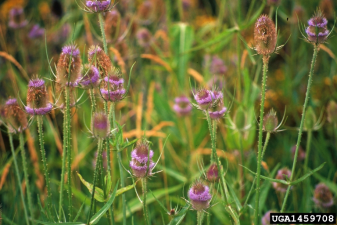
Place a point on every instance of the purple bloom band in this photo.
(39, 111)
(114, 81)
(204, 99)
(141, 158)
(204, 196)
(36, 83)
(141, 168)
(113, 95)
(217, 114)
(36, 32)
(315, 23)
(71, 50)
(89, 80)
(11, 101)
(98, 5)
(320, 34)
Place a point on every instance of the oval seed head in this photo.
(332, 112)
(37, 98)
(90, 77)
(69, 66)
(317, 30)
(322, 196)
(265, 35)
(266, 218)
(270, 121)
(100, 125)
(15, 117)
(141, 160)
(200, 196)
(310, 119)
(98, 58)
(213, 173)
(282, 174)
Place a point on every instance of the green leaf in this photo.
(249, 50)
(99, 195)
(181, 215)
(108, 183)
(79, 212)
(125, 189)
(95, 218)
(52, 223)
(173, 173)
(161, 204)
(307, 175)
(269, 179)
(236, 199)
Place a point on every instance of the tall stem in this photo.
(99, 156)
(265, 144)
(68, 128)
(199, 217)
(316, 48)
(25, 172)
(101, 24)
(18, 177)
(44, 161)
(259, 157)
(64, 155)
(146, 213)
(307, 151)
(93, 100)
(112, 111)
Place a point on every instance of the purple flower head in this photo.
(36, 32)
(216, 95)
(218, 66)
(317, 30)
(140, 159)
(98, 5)
(141, 170)
(266, 218)
(204, 98)
(144, 37)
(212, 173)
(37, 98)
(200, 196)
(100, 125)
(282, 174)
(90, 77)
(36, 83)
(113, 96)
(69, 66)
(71, 50)
(17, 18)
(14, 116)
(114, 80)
(217, 112)
(322, 196)
(301, 153)
(11, 101)
(39, 111)
(97, 56)
(182, 106)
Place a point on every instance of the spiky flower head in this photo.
(282, 174)
(141, 160)
(15, 117)
(69, 66)
(270, 122)
(199, 195)
(182, 106)
(331, 110)
(36, 32)
(113, 86)
(90, 77)
(60, 100)
(204, 98)
(98, 5)
(212, 173)
(37, 98)
(265, 35)
(301, 153)
(322, 196)
(17, 18)
(100, 125)
(317, 30)
(98, 58)
(266, 218)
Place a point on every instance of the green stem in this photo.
(238, 65)
(68, 141)
(213, 139)
(316, 48)
(93, 100)
(101, 24)
(25, 172)
(44, 161)
(112, 112)
(146, 213)
(259, 157)
(18, 178)
(265, 144)
(64, 155)
(307, 151)
(199, 217)
(99, 156)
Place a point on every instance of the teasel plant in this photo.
(316, 33)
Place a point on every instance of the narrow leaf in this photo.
(307, 175)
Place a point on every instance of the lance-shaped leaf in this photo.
(307, 175)
(180, 216)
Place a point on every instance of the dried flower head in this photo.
(270, 121)
(69, 59)
(37, 98)
(141, 160)
(212, 173)
(17, 18)
(90, 77)
(331, 110)
(15, 117)
(200, 196)
(113, 86)
(100, 125)
(322, 196)
(60, 100)
(282, 174)
(36, 32)
(317, 30)
(266, 218)
(144, 38)
(182, 106)
(265, 35)
(98, 58)
(98, 5)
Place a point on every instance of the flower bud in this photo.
(90, 77)
(37, 98)
(270, 121)
(266, 218)
(322, 196)
(69, 59)
(200, 196)
(100, 125)
(212, 173)
(140, 156)
(15, 117)
(17, 18)
(317, 30)
(98, 5)
(332, 112)
(265, 35)
(310, 119)
(98, 58)
(113, 86)
(182, 106)
(282, 174)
